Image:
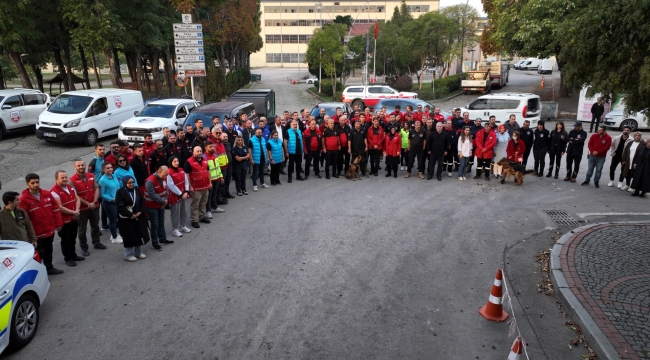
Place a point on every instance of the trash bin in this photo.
(256, 77)
(549, 110)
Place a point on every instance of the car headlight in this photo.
(72, 123)
(155, 130)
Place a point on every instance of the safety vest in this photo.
(68, 200)
(160, 188)
(257, 149)
(276, 150)
(85, 189)
(199, 177)
(214, 168)
(179, 180)
(291, 141)
(222, 157)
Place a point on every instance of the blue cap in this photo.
(578, 123)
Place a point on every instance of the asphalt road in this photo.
(381, 268)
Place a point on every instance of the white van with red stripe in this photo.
(369, 96)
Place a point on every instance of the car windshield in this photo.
(69, 104)
(157, 110)
(329, 110)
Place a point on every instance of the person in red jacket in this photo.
(483, 149)
(376, 140)
(331, 147)
(392, 147)
(69, 202)
(599, 144)
(45, 215)
(343, 161)
(516, 148)
(148, 147)
(312, 141)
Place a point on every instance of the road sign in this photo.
(188, 27)
(191, 66)
(194, 72)
(189, 51)
(188, 35)
(188, 42)
(187, 18)
(190, 58)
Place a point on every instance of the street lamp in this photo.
(320, 68)
(472, 63)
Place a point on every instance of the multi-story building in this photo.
(287, 26)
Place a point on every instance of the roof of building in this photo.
(360, 29)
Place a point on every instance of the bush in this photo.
(326, 87)
(404, 83)
(443, 87)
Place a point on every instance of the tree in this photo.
(326, 47)
(345, 20)
(466, 16)
(401, 15)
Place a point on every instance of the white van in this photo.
(19, 109)
(87, 115)
(546, 67)
(532, 64)
(155, 116)
(524, 106)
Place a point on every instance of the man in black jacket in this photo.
(597, 110)
(577, 138)
(140, 166)
(417, 143)
(174, 148)
(437, 148)
(157, 158)
(526, 134)
(358, 145)
(540, 147)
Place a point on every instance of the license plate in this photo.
(134, 138)
(49, 135)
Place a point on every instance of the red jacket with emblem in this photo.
(68, 200)
(199, 177)
(511, 149)
(484, 142)
(148, 149)
(311, 140)
(599, 144)
(44, 214)
(375, 139)
(85, 189)
(394, 146)
(178, 176)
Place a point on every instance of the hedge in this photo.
(443, 86)
(326, 87)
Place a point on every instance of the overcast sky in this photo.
(476, 3)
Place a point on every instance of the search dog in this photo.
(354, 171)
(515, 169)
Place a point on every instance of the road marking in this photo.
(584, 215)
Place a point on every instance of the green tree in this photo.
(345, 20)
(326, 47)
(466, 18)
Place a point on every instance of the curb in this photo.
(447, 98)
(317, 96)
(596, 338)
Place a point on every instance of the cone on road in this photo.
(517, 349)
(493, 310)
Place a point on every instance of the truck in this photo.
(477, 80)
(263, 99)
(499, 71)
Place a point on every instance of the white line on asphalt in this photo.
(584, 215)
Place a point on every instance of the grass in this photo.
(327, 98)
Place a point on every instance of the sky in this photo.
(475, 3)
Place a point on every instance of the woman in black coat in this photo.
(641, 181)
(131, 220)
(556, 148)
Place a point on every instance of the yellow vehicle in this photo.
(499, 71)
(477, 80)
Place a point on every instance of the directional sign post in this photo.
(189, 55)
(189, 51)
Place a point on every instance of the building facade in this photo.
(287, 26)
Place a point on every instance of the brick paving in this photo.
(607, 268)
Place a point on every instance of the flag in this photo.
(367, 43)
(376, 29)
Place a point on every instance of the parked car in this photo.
(524, 106)
(20, 108)
(618, 119)
(363, 96)
(263, 99)
(330, 109)
(546, 67)
(391, 103)
(231, 109)
(311, 80)
(155, 116)
(23, 287)
(84, 116)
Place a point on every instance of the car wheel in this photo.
(358, 103)
(91, 138)
(24, 321)
(308, 81)
(1, 132)
(629, 122)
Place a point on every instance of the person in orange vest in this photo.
(45, 216)
(155, 200)
(198, 177)
(87, 188)
(69, 203)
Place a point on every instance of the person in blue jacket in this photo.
(108, 186)
(275, 154)
(123, 169)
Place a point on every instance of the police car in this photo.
(23, 287)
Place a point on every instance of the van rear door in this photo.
(13, 112)
(35, 104)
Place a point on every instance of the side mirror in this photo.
(176, 123)
(6, 107)
(135, 113)
(90, 113)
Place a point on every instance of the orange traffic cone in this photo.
(493, 310)
(517, 348)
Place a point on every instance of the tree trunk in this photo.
(564, 90)
(155, 69)
(39, 76)
(138, 66)
(97, 77)
(169, 70)
(2, 79)
(84, 65)
(22, 72)
(68, 65)
(131, 66)
(59, 63)
(116, 61)
(146, 76)
(112, 68)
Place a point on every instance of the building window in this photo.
(287, 58)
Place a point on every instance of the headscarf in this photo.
(126, 179)
(131, 192)
(169, 162)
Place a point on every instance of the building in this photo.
(287, 26)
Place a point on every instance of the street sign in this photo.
(194, 72)
(188, 35)
(179, 42)
(190, 66)
(187, 18)
(190, 58)
(189, 50)
(188, 27)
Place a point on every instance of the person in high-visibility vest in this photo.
(216, 178)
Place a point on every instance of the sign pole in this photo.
(192, 82)
(374, 61)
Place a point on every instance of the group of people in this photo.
(193, 167)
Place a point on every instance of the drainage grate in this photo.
(562, 218)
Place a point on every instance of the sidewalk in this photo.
(602, 274)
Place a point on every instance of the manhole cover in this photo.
(562, 218)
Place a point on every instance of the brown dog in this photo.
(515, 169)
(354, 171)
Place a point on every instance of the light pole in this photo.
(471, 67)
(320, 68)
